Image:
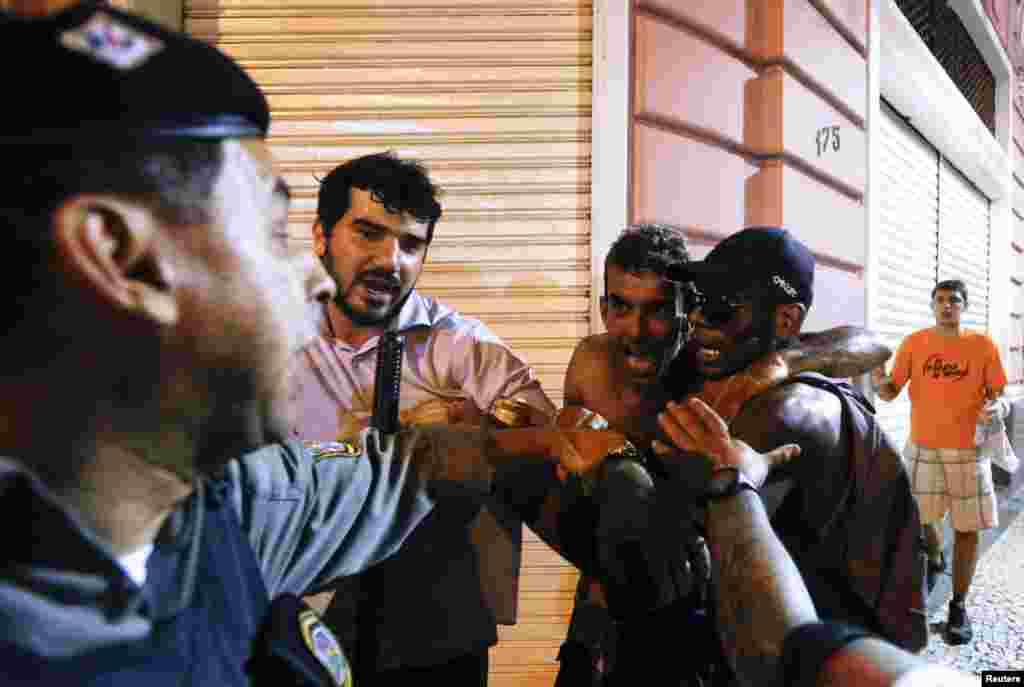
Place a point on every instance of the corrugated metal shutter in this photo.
(964, 241)
(495, 97)
(906, 242)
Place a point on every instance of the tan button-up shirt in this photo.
(455, 601)
(447, 356)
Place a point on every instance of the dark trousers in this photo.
(467, 670)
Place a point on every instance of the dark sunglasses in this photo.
(716, 308)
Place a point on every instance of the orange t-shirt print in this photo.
(948, 376)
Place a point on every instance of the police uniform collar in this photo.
(70, 561)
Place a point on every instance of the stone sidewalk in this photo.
(995, 602)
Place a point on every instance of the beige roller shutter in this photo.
(906, 241)
(494, 96)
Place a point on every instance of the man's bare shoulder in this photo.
(792, 412)
(595, 345)
(592, 356)
(588, 379)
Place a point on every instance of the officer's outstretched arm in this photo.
(317, 511)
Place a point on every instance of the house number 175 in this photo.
(827, 136)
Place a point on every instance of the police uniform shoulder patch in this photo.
(325, 450)
(108, 40)
(324, 646)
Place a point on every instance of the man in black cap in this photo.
(155, 309)
(846, 514)
(626, 375)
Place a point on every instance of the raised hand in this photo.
(694, 428)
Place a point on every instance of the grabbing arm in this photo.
(762, 599)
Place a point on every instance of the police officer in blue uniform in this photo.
(154, 308)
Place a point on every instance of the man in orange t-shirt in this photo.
(953, 372)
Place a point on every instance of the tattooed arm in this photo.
(760, 594)
(762, 597)
(839, 352)
(761, 588)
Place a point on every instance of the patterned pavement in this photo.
(995, 602)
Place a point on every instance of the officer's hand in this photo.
(447, 411)
(725, 396)
(696, 429)
(351, 424)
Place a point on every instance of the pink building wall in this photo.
(753, 112)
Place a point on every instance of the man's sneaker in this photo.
(958, 626)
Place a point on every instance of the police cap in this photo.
(92, 73)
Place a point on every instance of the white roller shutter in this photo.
(906, 241)
(495, 97)
(964, 241)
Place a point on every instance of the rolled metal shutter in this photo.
(964, 241)
(494, 96)
(906, 241)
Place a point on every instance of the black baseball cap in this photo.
(764, 256)
(92, 73)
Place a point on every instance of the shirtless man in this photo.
(629, 373)
(621, 373)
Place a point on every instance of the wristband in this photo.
(807, 648)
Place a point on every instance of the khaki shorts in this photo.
(955, 480)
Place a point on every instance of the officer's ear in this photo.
(110, 248)
(789, 319)
(319, 240)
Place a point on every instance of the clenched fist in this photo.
(700, 435)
